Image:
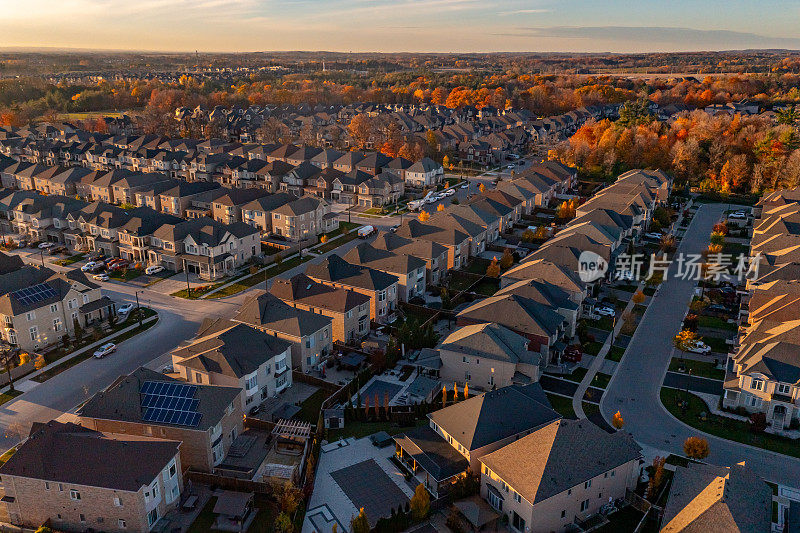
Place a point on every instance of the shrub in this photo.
(696, 448)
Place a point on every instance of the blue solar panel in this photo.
(32, 295)
(169, 403)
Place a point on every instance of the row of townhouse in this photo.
(373, 178)
(763, 368)
(205, 246)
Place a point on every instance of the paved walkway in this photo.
(635, 387)
(594, 368)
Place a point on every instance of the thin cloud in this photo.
(524, 12)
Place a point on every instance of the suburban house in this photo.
(204, 246)
(409, 270)
(303, 218)
(348, 309)
(227, 207)
(485, 356)
(559, 475)
(717, 499)
(381, 288)
(236, 355)
(206, 419)
(455, 241)
(542, 326)
(434, 254)
(460, 434)
(310, 333)
(424, 173)
(258, 212)
(77, 479)
(38, 306)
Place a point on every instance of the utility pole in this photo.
(188, 287)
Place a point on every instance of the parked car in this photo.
(98, 267)
(365, 231)
(153, 269)
(605, 311)
(465, 185)
(88, 266)
(737, 215)
(100, 277)
(46, 245)
(105, 349)
(573, 353)
(125, 308)
(96, 256)
(698, 347)
(55, 250)
(394, 228)
(449, 192)
(653, 236)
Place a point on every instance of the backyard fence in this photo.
(230, 483)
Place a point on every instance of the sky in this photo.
(401, 25)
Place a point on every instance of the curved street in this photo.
(634, 389)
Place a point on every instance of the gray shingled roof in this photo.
(559, 456)
(495, 415)
(71, 454)
(269, 312)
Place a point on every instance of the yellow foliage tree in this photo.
(39, 363)
(440, 207)
(695, 448)
(323, 239)
(618, 421)
(684, 340)
(482, 187)
(24, 357)
(493, 270)
(444, 395)
(424, 216)
(638, 297)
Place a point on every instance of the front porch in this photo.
(209, 268)
(430, 459)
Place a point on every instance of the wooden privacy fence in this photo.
(230, 483)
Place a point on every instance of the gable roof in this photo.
(560, 456)
(269, 312)
(68, 453)
(485, 419)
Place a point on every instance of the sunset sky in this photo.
(401, 25)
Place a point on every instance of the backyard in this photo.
(263, 523)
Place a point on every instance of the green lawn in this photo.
(716, 323)
(8, 396)
(359, 429)
(592, 348)
(562, 405)
(309, 409)
(126, 274)
(698, 368)
(590, 408)
(615, 353)
(717, 344)
(577, 374)
(624, 520)
(246, 282)
(726, 428)
(70, 260)
(487, 287)
(601, 380)
(263, 523)
(605, 323)
(332, 244)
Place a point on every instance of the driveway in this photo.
(634, 389)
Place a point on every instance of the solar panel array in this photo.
(169, 403)
(37, 293)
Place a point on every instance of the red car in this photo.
(573, 353)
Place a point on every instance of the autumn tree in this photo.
(420, 503)
(618, 421)
(482, 187)
(656, 476)
(440, 207)
(359, 523)
(507, 260)
(638, 297)
(493, 270)
(696, 448)
(423, 216)
(685, 340)
(362, 130)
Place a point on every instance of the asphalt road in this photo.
(634, 389)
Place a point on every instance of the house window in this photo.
(57, 324)
(46, 485)
(518, 522)
(198, 377)
(587, 484)
(584, 505)
(30, 315)
(74, 495)
(82, 518)
(784, 388)
(757, 384)
(121, 523)
(152, 516)
(467, 376)
(251, 383)
(517, 497)
(54, 308)
(495, 501)
(464, 359)
(173, 469)
(563, 513)
(34, 332)
(117, 501)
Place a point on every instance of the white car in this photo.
(653, 235)
(465, 185)
(46, 245)
(698, 347)
(153, 269)
(605, 311)
(510, 166)
(105, 349)
(738, 214)
(88, 266)
(100, 277)
(449, 192)
(124, 309)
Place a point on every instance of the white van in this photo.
(365, 231)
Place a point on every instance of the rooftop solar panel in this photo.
(32, 295)
(169, 403)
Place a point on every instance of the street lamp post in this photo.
(138, 309)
